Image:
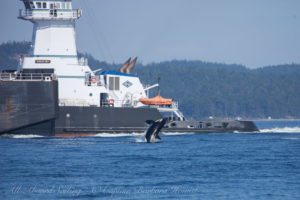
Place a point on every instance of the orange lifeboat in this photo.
(158, 100)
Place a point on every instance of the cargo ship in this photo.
(55, 93)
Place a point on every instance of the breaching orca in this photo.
(154, 129)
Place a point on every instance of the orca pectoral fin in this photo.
(157, 137)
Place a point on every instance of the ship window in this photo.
(111, 83)
(51, 6)
(114, 83)
(27, 5)
(39, 5)
(68, 5)
(117, 83)
(58, 5)
(44, 5)
(225, 124)
(63, 5)
(32, 5)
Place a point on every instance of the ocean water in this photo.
(263, 165)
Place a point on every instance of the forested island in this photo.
(206, 89)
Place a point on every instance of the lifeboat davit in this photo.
(158, 100)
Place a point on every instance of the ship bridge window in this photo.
(27, 5)
(114, 83)
(68, 5)
(63, 5)
(57, 5)
(38, 4)
(44, 5)
(32, 5)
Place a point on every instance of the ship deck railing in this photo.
(103, 103)
(54, 14)
(171, 109)
(173, 106)
(27, 77)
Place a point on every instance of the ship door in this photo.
(51, 9)
(104, 99)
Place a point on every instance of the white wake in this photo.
(177, 133)
(20, 136)
(119, 134)
(281, 130)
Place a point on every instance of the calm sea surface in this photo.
(256, 166)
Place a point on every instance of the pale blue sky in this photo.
(254, 33)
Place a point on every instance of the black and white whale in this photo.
(154, 129)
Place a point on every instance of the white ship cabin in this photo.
(54, 47)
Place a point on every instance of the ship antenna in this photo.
(158, 86)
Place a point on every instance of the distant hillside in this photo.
(206, 89)
(209, 89)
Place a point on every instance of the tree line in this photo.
(206, 89)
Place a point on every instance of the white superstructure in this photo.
(54, 46)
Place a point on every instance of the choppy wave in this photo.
(290, 138)
(281, 130)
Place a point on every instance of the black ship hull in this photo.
(31, 107)
(210, 126)
(80, 121)
(28, 107)
(74, 121)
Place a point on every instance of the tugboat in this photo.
(55, 93)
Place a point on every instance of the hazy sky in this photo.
(250, 32)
